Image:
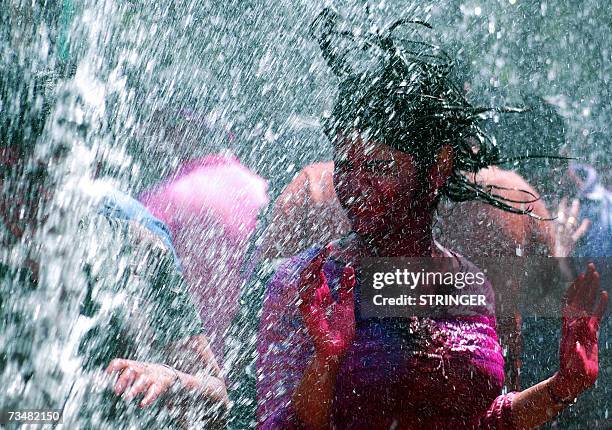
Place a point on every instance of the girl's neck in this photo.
(413, 239)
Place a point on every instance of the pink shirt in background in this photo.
(211, 206)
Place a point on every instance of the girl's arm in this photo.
(332, 335)
(584, 307)
(312, 398)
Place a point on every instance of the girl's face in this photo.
(376, 184)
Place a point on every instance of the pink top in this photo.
(210, 205)
(405, 374)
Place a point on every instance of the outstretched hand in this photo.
(568, 228)
(585, 304)
(331, 324)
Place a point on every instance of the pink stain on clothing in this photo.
(210, 205)
(404, 374)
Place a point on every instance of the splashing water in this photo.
(109, 78)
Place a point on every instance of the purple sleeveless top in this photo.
(410, 373)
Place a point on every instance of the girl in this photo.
(401, 133)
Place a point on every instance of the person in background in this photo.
(541, 335)
(149, 343)
(595, 203)
(306, 213)
(210, 205)
(485, 234)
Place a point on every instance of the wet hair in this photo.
(540, 131)
(399, 91)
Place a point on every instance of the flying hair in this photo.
(398, 90)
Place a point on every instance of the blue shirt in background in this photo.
(117, 204)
